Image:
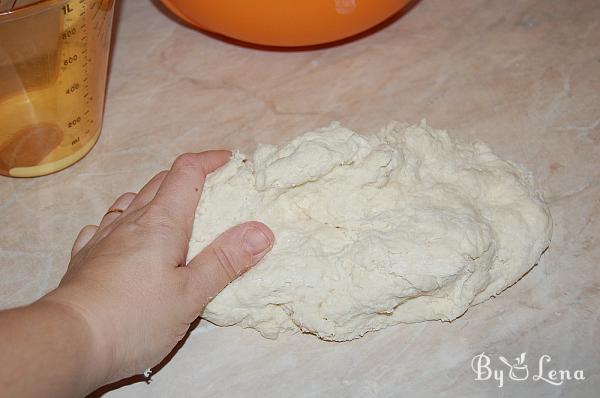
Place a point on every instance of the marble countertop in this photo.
(523, 76)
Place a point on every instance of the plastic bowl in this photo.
(285, 23)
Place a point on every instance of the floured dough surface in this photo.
(402, 226)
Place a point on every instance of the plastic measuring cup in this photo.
(53, 64)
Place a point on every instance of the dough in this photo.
(371, 231)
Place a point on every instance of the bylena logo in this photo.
(519, 370)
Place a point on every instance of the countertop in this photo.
(523, 76)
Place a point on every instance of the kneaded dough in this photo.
(371, 231)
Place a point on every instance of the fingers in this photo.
(148, 192)
(83, 238)
(122, 203)
(227, 257)
(181, 188)
(88, 232)
(130, 202)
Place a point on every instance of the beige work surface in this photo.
(523, 76)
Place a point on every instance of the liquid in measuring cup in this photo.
(53, 62)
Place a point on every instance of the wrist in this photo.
(93, 357)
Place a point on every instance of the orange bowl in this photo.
(285, 23)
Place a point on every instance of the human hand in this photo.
(128, 280)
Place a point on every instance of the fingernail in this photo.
(255, 241)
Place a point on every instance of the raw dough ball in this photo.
(371, 231)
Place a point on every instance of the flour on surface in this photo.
(371, 231)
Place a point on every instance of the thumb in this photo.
(227, 257)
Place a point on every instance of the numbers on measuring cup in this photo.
(69, 33)
(74, 87)
(70, 60)
(74, 122)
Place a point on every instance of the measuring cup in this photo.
(53, 64)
